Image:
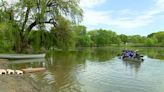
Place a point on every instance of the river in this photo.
(98, 70)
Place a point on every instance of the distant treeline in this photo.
(55, 24)
(78, 36)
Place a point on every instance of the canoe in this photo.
(21, 56)
(31, 70)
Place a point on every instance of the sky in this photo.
(130, 17)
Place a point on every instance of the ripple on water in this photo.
(115, 79)
(111, 76)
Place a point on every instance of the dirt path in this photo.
(17, 83)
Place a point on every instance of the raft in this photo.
(133, 59)
(31, 70)
(21, 56)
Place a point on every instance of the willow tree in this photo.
(30, 14)
(8, 27)
(63, 34)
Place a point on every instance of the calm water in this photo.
(98, 70)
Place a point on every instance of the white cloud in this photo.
(11, 1)
(131, 20)
(90, 3)
(104, 18)
(95, 17)
(159, 3)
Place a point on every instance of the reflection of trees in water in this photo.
(103, 54)
(133, 65)
(29, 63)
(156, 52)
(65, 66)
(67, 59)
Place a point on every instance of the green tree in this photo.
(123, 38)
(103, 37)
(159, 36)
(134, 39)
(151, 41)
(63, 34)
(29, 14)
(82, 38)
(40, 39)
(117, 40)
(92, 35)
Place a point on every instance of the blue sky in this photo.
(131, 17)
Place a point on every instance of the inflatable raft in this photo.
(133, 59)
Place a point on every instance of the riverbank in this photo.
(16, 83)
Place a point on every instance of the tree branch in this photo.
(26, 18)
(45, 22)
(31, 26)
(51, 22)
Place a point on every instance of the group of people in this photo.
(130, 54)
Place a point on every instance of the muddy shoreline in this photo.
(16, 83)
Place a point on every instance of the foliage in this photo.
(39, 39)
(29, 14)
(151, 41)
(8, 37)
(63, 34)
(103, 37)
(159, 36)
(136, 39)
(52, 24)
(123, 38)
(82, 39)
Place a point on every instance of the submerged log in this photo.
(31, 70)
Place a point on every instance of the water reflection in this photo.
(103, 54)
(65, 66)
(132, 65)
(97, 70)
(27, 63)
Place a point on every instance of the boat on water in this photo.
(129, 55)
(21, 56)
(133, 59)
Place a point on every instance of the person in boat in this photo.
(134, 54)
(131, 54)
(137, 55)
(126, 54)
